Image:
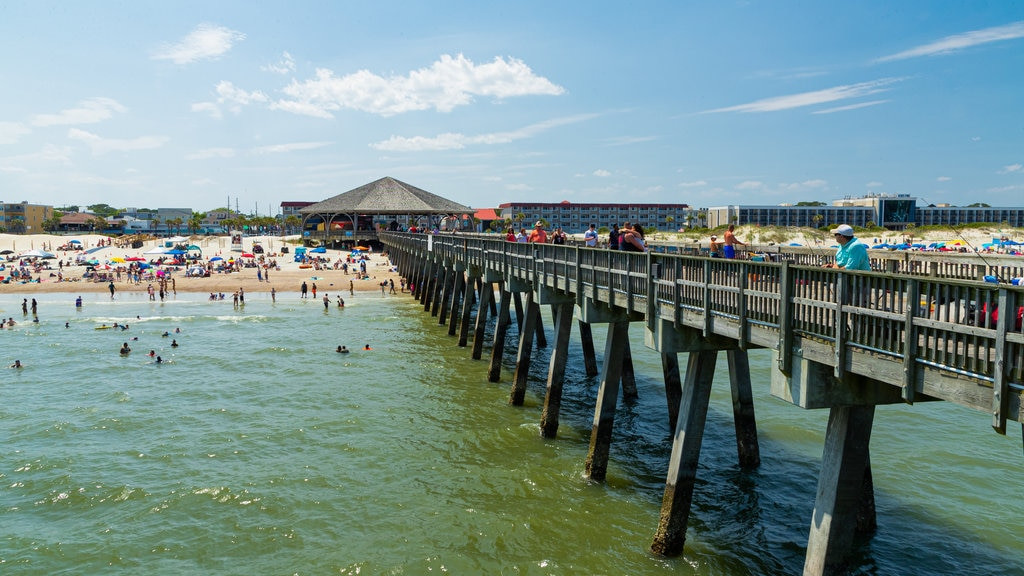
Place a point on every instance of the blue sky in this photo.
(190, 104)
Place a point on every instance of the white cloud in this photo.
(456, 141)
(850, 107)
(749, 185)
(291, 147)
(208, 107)
(873, 184)
(283, 66)
(1011, 169)
(602, 173)
(11, 132)
(100, 145)
(88, 111)
(805, 185)
(205, 42)
(626, 140)
(447, 83)
(211, 153)
(694, 184)
(834, 94)
(232, 97)
(228, 93)
(958, 42)
(943, 179)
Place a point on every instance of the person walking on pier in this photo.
(852, 254)
(538, 235)
(590, 236)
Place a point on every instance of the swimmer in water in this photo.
(125, 349)
(152, 353)
(342, 350)
(367, 347)
(174, 343)
(17, 364)
(159, 360)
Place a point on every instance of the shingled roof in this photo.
(386, 196)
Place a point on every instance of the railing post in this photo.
(785, 318)
(842, 327)
(1000, 384)
(707, 299)
(910, 340)
(653, 275)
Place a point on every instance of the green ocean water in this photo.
(257, 449)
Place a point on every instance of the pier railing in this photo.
(934, 337)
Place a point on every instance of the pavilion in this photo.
(385, 204)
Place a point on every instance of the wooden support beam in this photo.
(673, 386)
(500, 330)
(468, 300)
(607, 397)
(525, 355)
(682, 470)
(589, 355)
(479, 332)
(743, 410)
(456, 301)
(556, 369)
(839, 490)
(628, 374)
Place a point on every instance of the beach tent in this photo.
(37, 254)
(318, 250)
(175, 252)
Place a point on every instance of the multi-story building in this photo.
(894, 212)
(291, 208)
(573, 217)
(24, 218)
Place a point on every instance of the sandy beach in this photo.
(286, 277)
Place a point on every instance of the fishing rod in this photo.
(977, 253)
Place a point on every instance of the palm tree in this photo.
(292, 222)
(156, 225)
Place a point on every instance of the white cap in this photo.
(845, 230)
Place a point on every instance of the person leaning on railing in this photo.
(852, 253)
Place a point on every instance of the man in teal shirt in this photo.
(852, 254)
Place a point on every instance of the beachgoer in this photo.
(152, 353)
(125, 349)
(159, 360)
(273, 295)
(510, 235)
(730, 242)
(174, 343)
(341, 302)
(522, 238)
(852, 253)
(558, 236)
(351, 288)
(327, 301)
(342, 350)
(367, 347)
(590, 236)
(314, 289)
(613, 237)
(111, 288)
(78, 302)
(17, 364)
(538, 235)
(303, 289)
(632, 239)
(24, 306)
(35, 306)
(715, 248)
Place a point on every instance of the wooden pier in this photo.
(842, 341)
